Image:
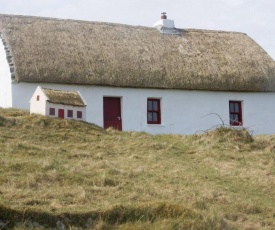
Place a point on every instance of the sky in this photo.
(256, 18)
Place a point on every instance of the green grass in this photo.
(55, 171)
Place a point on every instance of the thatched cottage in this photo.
(158, 80)
(58, 103)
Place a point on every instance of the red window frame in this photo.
(153, 111)
(70, 113)
(37, 98)
(235, 113)
(52, 112)
(79, 114)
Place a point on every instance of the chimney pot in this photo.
(163, 16)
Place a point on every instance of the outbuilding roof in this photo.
(106, 54)
(64, 97)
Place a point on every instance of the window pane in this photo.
(150, 105)
(155, 105)
(155, 117)
(231, 107)
(236, 107)
(236, 118)
(231, 117)
(150, 116)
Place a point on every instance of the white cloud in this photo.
(233, 2)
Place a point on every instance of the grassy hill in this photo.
(66, 174)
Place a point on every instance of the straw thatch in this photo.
(64, 97)
(93, 53)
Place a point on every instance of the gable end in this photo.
(9, 58)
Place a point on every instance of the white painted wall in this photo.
(38, 107)
(66, 108)
(5, 79)
(183, 112)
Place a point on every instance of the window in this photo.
(37, 98)
(52, 111)
(79, 114)
(235, 113)
(70, 113)
(153, 111)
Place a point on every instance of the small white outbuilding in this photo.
(58, 103)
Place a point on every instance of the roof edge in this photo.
(85, 103)
(113, 23)
(8, 57)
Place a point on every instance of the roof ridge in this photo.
(113, 23)
(60, 90)
(210, 31)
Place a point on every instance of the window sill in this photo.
(155, 125)
(238, 127)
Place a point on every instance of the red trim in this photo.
(235, 113)
(153, 111)
(112, 112)
(61, 113)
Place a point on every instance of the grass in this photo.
(59, 172)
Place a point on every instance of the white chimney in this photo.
(165, 25)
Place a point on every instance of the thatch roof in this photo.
(94, 53)
(64, 97)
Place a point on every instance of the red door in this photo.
(112, 112)
(61, 113)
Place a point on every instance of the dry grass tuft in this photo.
(229, 135)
